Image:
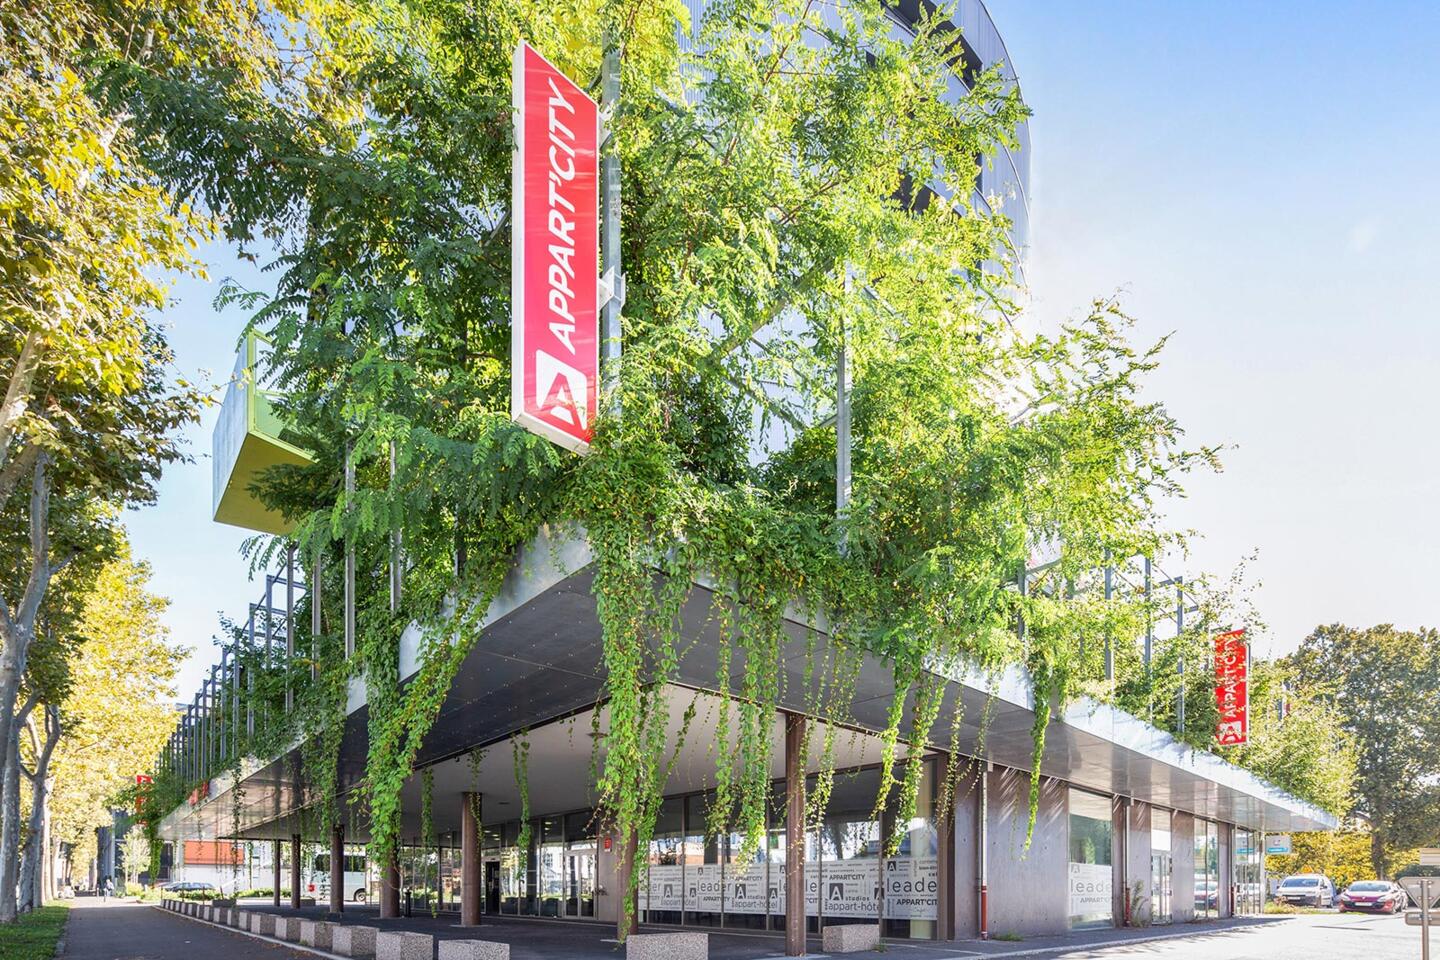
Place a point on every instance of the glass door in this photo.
(1161, 884)
(580, 881)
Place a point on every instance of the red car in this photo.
(1380, 896)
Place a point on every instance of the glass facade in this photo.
(696, 880)
(1162, 867)
(1207, 870)
(1249, 898)
(1091, 875)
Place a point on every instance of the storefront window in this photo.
(850, 843)
(1091, 878)
(1162, 867)
(550, 866)
(704, 881)
(662, 896)
(1207, 870)
(1248, 899)
(912, 880)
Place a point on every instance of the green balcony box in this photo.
(247, 441)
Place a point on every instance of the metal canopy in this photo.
(537, 667)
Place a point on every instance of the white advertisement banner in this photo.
(703, 886)
(812, 889)
(912, 888)
(850, 888)
(1091, 887)
(666, 887)
(745, 889)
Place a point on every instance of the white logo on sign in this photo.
(561, 390)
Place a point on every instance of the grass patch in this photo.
(34, 935)
(1008, 937)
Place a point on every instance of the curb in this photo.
(253, 936)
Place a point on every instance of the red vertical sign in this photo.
(1232, 694)
(555, 244)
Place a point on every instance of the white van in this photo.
(317, 884)
(1306, 890)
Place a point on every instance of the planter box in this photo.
(850, 938)
(392, 945)
(474, 950)
(316, 933)
(667, 946)
(354, 941)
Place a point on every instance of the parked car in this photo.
(1381, 896)
(189, 886)
(1306, 890)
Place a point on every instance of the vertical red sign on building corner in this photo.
(1232, 693)
(555, 253)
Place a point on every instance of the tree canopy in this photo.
(1384, 685)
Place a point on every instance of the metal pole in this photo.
(349, 556)
(289, 625)
(842, 433)
(1180, 658)
(1424, 920)
(1109, 640)
(395, 546)
(610, 212)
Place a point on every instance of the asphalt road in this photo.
(1336, 936)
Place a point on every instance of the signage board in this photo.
(1430, 856)
(1279, 843)
(1232, 697)
(555, 251)
(1422, 888)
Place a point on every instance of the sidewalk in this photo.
(117, 930)
(536, 938)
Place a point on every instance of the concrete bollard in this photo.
(394, 945)
(354, 941)
(667, 946)
(473, 950)
(263, 924)
(316, 933)
(850, 938)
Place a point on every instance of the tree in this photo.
(1384, 684)
(90, 412)
(118, 702)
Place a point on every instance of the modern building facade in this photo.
(1133, 826)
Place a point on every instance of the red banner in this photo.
(1232, 694)
(555, 245)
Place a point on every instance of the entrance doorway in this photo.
(1162, 875)
(580, 883)
(492, 886)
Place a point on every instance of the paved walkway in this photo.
(117, 930)
(536, 938)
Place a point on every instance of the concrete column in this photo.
(390, 887)
(337, 870)
(275, 872)
(945, 856)
(295, 871)
(471, 893)
(794, 835)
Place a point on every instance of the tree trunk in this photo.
(10, 829)
(31, 867)
(18, 628)
(1377, 854)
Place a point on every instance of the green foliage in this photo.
(1341, 855)
(34, 935)
(1384, 686)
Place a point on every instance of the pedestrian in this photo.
(106, 886)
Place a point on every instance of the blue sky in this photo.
(1257, 179)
